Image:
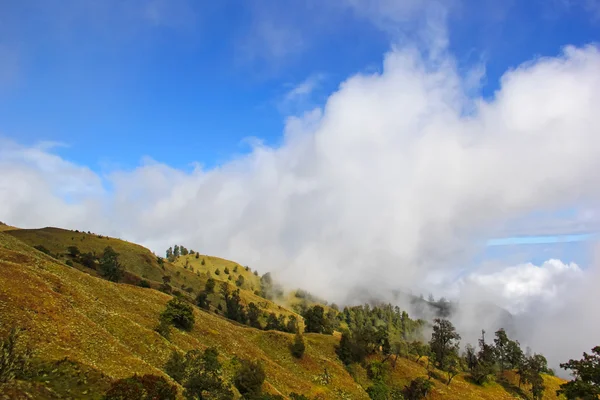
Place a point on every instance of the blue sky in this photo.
(186, 82)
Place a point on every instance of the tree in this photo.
(530, 373)
(234, 308)
(486, 361)
(226, 270)
(272, 322)
(253, 316)
(176, 251)
(110, 267)
(586, 377)
(502, 347)
(417, 389)
(198, 256)
(240, 281)
(183, 251)
(453, 366)
(202, 300)
(203, 262)
(204, 377)
(298, 347)
(88, 259)
(175, 366)
(217, 271)
(73, 251)
(146, 387)
(292, 324)
(249, 379)
(444, 341)
(169, 254)
(179, 313)
(470, 357)
(419, 349)
(209, 287)
(314, 319)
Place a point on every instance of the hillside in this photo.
(186, 274)
(87, 331)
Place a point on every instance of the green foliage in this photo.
(530, 373)
(197, 256)
(418, 389)
(88, 259)
(486, 362)
(69, 263)
(296, 396)
(235, 269)
(226, 270)
(298, 347)
(249, 379)
(217, 271)
(203, 262)
(586, 381)
(176, 366)
(14, 357)
(379, 391)
(253, 316)
(314, 320)
(204, 380)
(234, 309)
(209, 287)
(110, 267)
(42, 249)
(146, 387)
(199, 373)
(73, 251)
(202, 300)
(240, 281)
(164, 326)
(444, 341)
(292, 324)
(144, 283)
(179, 313)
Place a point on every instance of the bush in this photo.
(175, 366)
(69, 263)
(240, 281)
(202, 301)
(296, 396)
(42, 249)
(88, 260)
(209, 287)
(379, 391)
(14, 358)
(73, 251)
(418, 389)
(298, 347)
(249, 378)
(180, 314)
(217, 271)
(226, 270)
(144, 283)
(146, 387)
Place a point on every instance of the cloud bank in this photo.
(397, 181)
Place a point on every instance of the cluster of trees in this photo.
(200, 374)
(492, 357)
(382, 328)
(107, 264)
(145, 387)
(178, 250)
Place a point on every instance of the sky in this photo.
(449, 147)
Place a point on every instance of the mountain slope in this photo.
(87, 331)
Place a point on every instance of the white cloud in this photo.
(390, 185)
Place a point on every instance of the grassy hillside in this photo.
(87, 331)
(187, 274)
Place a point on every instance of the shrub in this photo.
(88, 260)
(110, 267)
(249, 378)
(202, 301)
(203, 262)
(146, 387)
(296, 396)
(235, 269)
(175, 366)
(73, 251)
(240, 281)
(217, 271)
(198, 256)
(417, 389)
(226, 270)
(210, 285)
(298, 347)
(379, 391)
(69, 263)
(144, 283)
(179, 313)
(14, 358)
(42, 249)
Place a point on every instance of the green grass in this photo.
(87, 331)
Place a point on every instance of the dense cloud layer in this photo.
(396, 182)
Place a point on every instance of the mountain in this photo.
(85, 331)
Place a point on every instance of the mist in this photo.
(397, 181)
